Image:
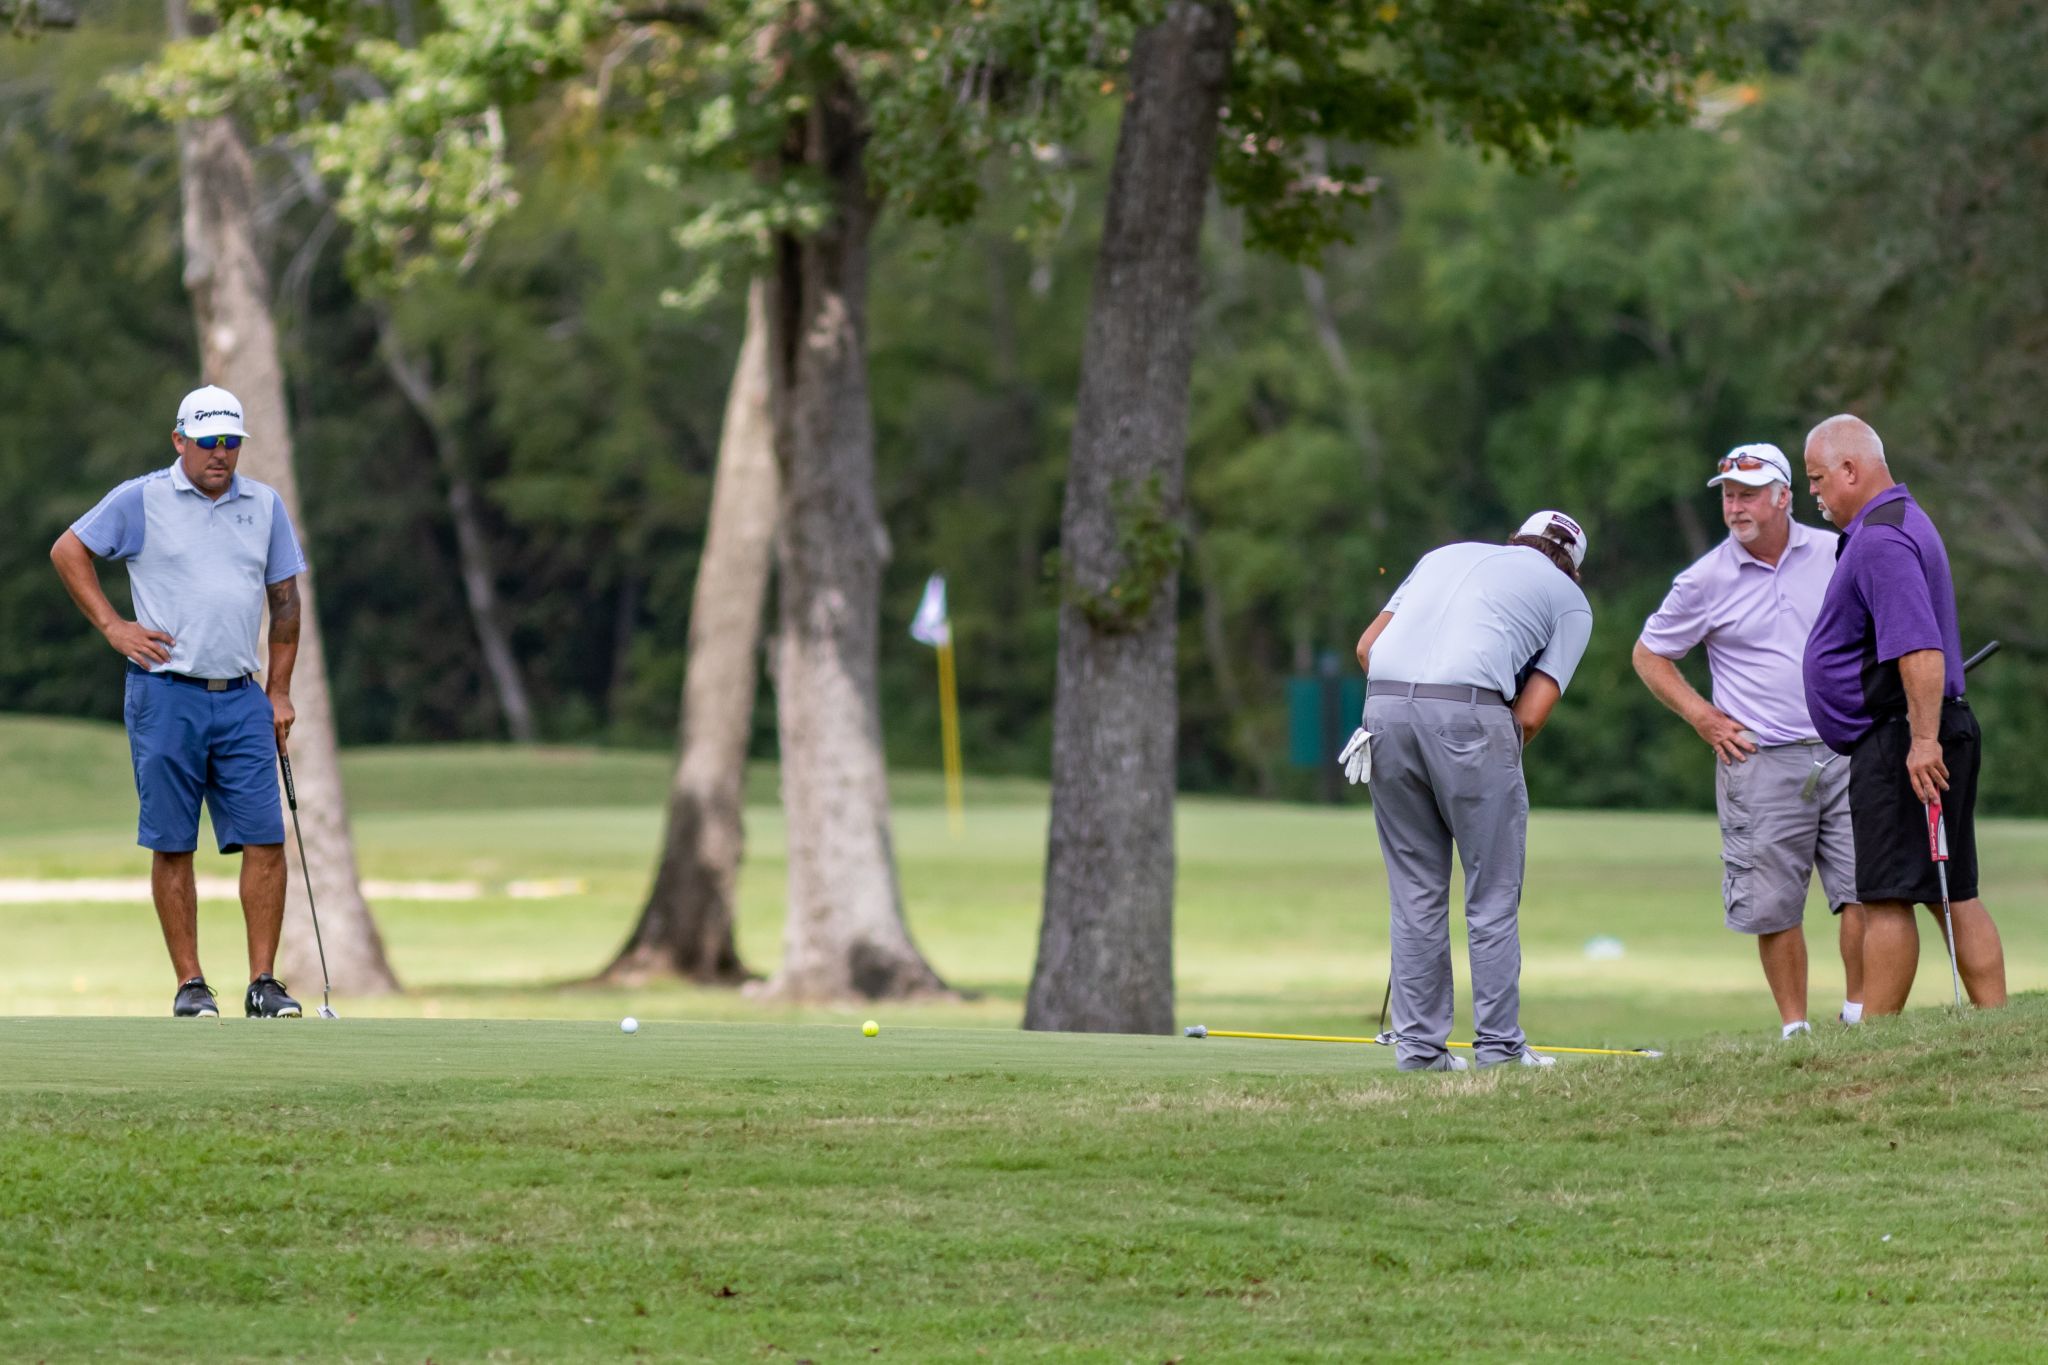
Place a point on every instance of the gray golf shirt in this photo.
(1476, 615)
(197, 567)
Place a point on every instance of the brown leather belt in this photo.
(1476, 696)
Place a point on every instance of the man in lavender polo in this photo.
(1783, 798)
(1884, 683)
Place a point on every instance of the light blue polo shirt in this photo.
(1476, 615)
(197, 567)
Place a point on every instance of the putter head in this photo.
(1197, 1031)
(327, 1012)
(1385, 1037)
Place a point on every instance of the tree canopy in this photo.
(1850, 227)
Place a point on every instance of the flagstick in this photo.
(949, 734)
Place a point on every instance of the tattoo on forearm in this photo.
(284, 612)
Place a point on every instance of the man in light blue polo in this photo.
(204, 548)
(1463, 667)
(1782, 795)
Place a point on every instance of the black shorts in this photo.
(1893, 858)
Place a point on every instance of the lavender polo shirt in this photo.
(1753, 618)
(1892, 595)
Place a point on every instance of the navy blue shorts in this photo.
(189, 743)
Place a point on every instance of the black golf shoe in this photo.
(266, 1000)
(195, 1001)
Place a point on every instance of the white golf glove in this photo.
(1356, 756)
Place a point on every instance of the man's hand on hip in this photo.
(1725, 735)
(282, 716)
(138, 644)
(1926, 769)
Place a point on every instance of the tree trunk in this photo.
(1105, 946)
(230, 291)
(844, 934)
(472, 548)
(686, 927)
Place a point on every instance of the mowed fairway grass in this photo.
(517, 1180)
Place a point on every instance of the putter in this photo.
(1385, 1036)
(1937, 848)
(1203, 1031)
(291, 798)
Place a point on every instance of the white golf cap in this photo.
(211, 411)
(1560, 528)
(1755, 464)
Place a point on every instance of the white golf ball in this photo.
(629, 1025)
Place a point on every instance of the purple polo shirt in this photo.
(1892, 595)
(1753, 618)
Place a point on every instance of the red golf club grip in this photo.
(1937, 833)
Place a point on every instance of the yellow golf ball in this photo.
(870, 1028)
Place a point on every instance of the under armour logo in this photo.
(241, 520)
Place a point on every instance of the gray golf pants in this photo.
(1444, 772)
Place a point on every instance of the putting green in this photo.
(539, 1191)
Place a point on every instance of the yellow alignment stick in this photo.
(949, 737)
(1199, 1031)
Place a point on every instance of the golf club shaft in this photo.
(1948, 923)
(291, 799)
(1937, 852)
(1980, 656)
(1330, 1038)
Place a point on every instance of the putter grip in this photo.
(291, 795)
(1937, 833)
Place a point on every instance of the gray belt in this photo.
(210, 684)
(1476, 696)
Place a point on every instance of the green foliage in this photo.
(1148, 546)
(413, 133)
(1588, 339)
(585, 414)
(420, 168)
(1905, 162)
(93, 327)
(1315, 80)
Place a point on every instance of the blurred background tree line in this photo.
(1855, 225)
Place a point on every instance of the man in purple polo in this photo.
(1884, 683)
(1783, 798)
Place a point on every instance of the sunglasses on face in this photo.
(209, 442)
(1748, 464)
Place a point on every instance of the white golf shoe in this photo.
(1526, 1057)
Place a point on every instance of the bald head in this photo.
(1845, 466)
(1845, 437)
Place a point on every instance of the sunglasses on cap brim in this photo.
(1748, 464)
